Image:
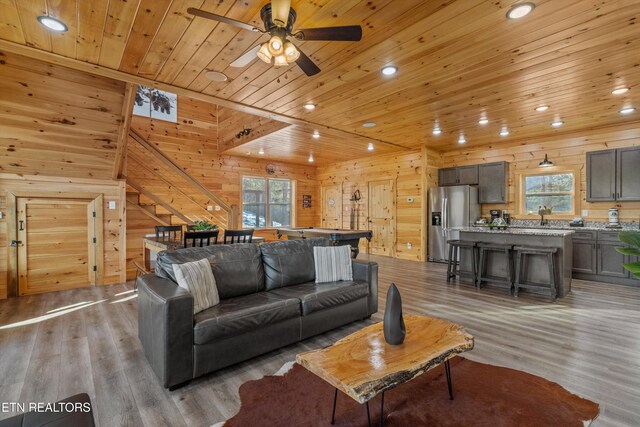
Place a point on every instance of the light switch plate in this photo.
(112, 204)
(584, 213)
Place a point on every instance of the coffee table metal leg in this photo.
(368, 415)
(382, 410)
(447, 370)
(333, 414)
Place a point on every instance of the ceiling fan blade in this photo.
(280, 12)
(350, 33)
(246, 58)
(204, 14)
(307, 65)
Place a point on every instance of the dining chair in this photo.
(200, 238)
(168, 232)
(238, 236)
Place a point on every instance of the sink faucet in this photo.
(542, 212)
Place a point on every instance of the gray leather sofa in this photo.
(268, 299)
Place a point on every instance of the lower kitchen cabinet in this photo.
(595, 258)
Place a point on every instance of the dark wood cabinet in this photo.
(613, 175)
(628, 174)
(492, 182)
(584, 256)
(610, 261)
(461, 175)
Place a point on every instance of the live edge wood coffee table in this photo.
(362, 365)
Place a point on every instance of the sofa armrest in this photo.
(165, 328)
(368, 272)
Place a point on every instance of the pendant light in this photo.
(264, 53)
(545, 163)
(276, 46)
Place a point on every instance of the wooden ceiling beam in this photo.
(101, 71)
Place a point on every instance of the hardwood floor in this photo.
(85, 340)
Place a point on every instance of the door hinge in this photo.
(95, 240)
(95, 268)
(94, 214)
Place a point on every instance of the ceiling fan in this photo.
(278, 18)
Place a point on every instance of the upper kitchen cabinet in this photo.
(613, 175)
(492, 180)
(462, 175)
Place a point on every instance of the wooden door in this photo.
(381, 199)
(57, 250)
(332, 206)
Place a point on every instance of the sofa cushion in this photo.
(237, 268)
(197, 278)
(332, 264)
(235, 316)
(318, 296)
(289, 262)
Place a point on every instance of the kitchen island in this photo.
(537, 267)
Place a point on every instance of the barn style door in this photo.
(381, 200)
(57, 244)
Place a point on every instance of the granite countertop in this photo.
(588, 228)
(519, 231)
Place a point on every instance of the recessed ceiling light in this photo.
(309, 106)
(521, 10)
(368, 124)
(461, 139)
(389, 70)
(216, 76)
(483, 121)
(627, 110)
(261, 151)
(620, 90)
(557, 123)
(52, 24)
(504, 131)
(370, 146)
(542, 108)
(316, 134)
(310, 158)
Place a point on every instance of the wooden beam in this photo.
(123, 132)
(99, 70)
(157, 200)
(177, 169)
(147, 213)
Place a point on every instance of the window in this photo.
(554, 190)
(266, 202)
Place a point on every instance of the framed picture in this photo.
(156, 104)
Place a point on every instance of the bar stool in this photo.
(483, 249)
(454, 259)
(521, 263)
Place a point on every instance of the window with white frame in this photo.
(554, 190)
(266, 202)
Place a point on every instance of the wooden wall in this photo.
(56, 121)
(192, 143)
(412, 171)
(113, 220)
(566, 150)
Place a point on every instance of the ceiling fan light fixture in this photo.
(291, 52)
(264, 54)
(280, 61)
(53, 24)
(521, 10)
(276, 45)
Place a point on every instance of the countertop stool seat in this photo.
(521, 254)
(501, 248)
(453, 265)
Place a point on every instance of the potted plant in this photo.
(204, 225)
(631, 238)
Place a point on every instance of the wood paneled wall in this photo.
(113, 219)
(192, 144)
(412, 171)
(56, 121)
(565, 151)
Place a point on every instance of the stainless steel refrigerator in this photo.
(449, 208)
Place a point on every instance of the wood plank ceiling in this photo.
(457, 59)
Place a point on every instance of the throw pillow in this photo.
(333, 263)
(197, 278)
